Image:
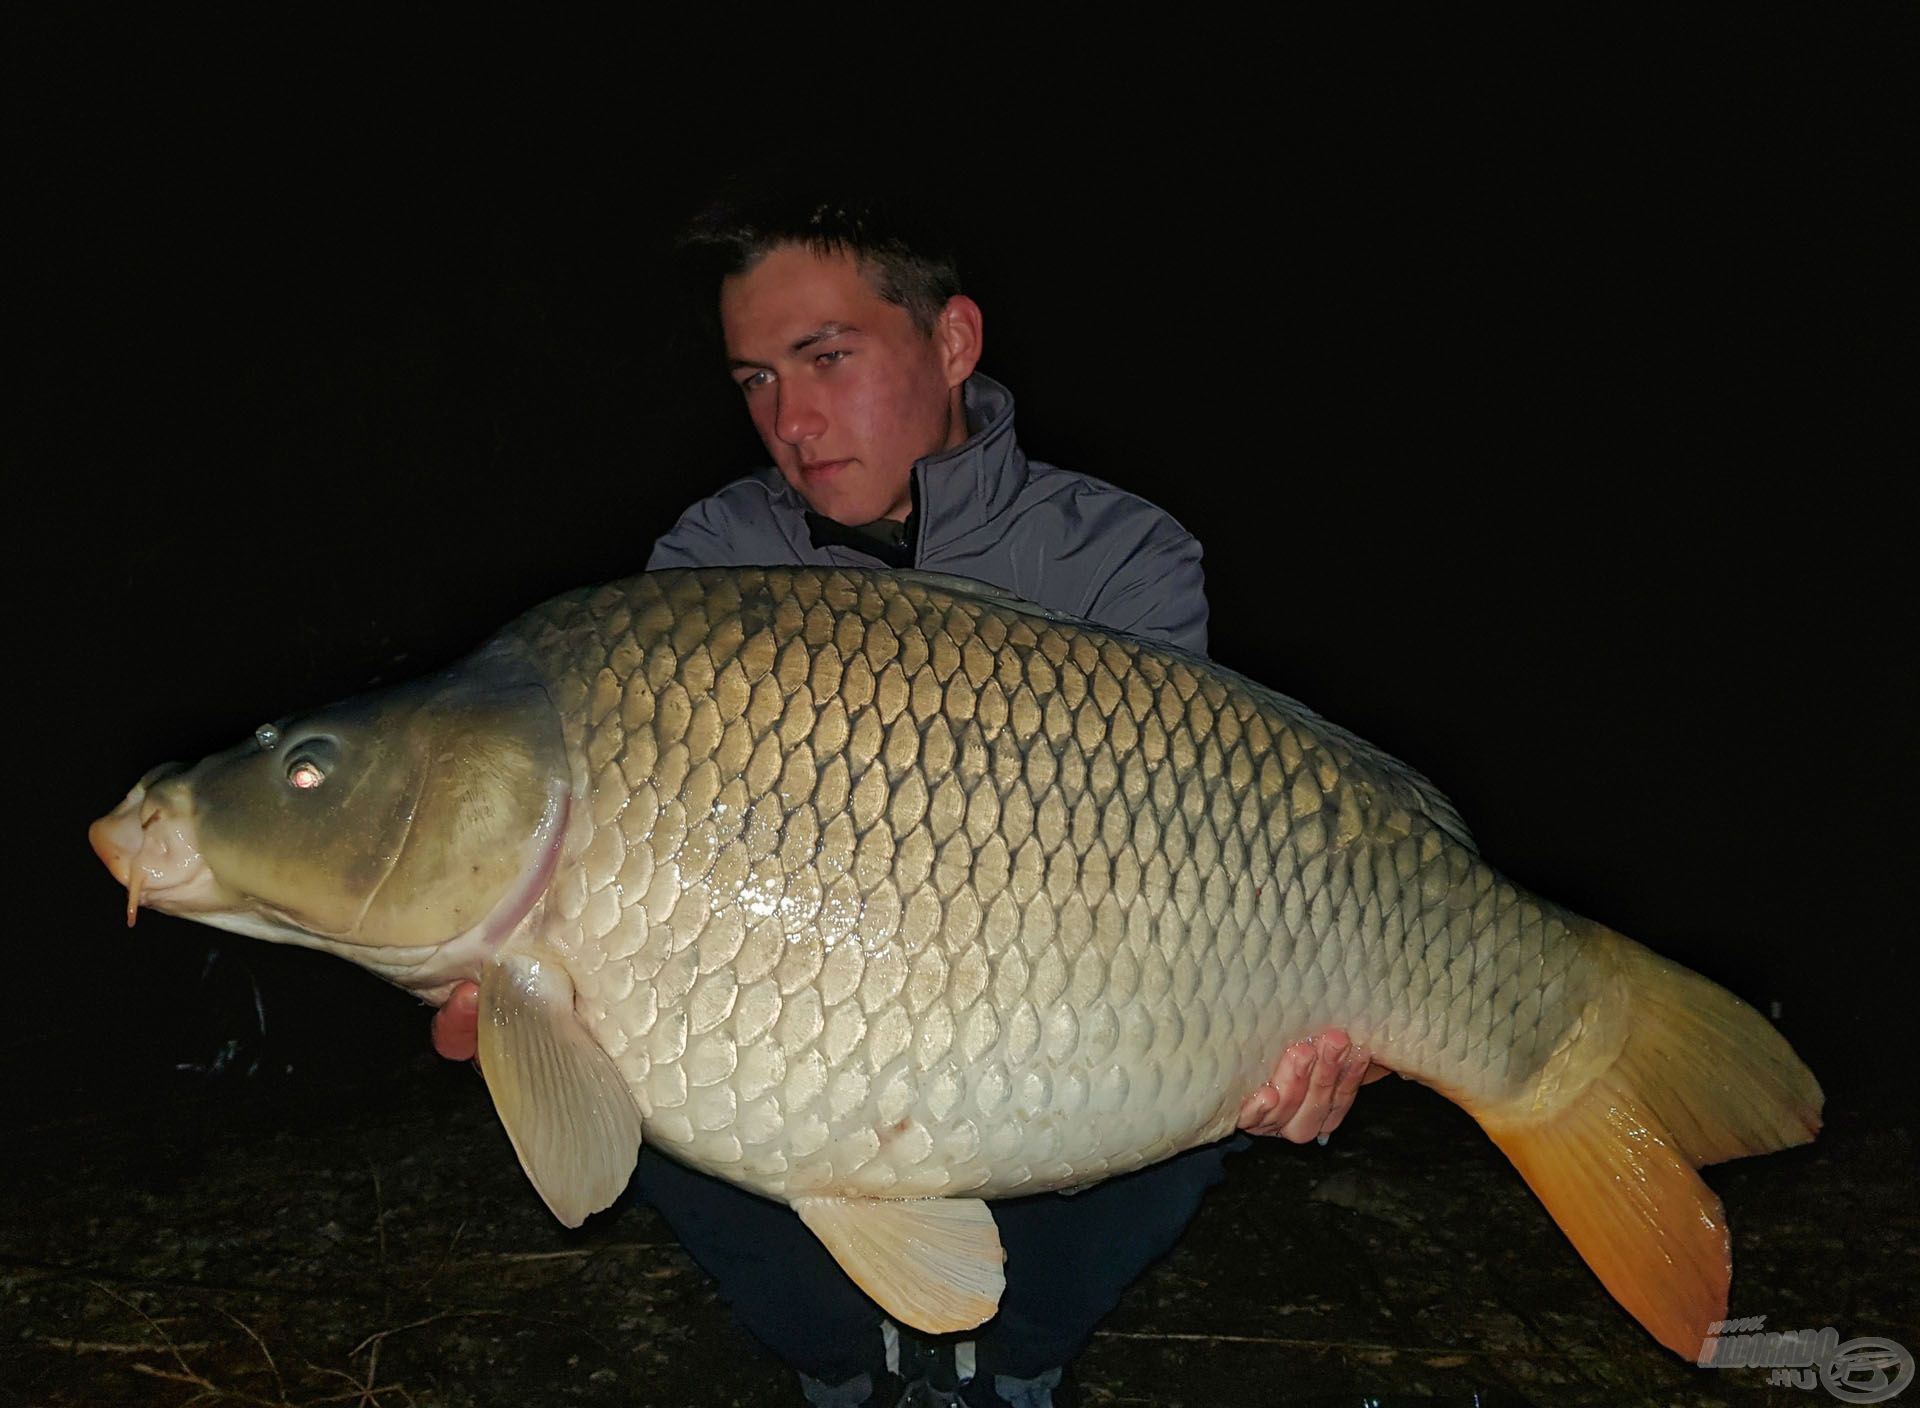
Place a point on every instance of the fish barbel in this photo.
(885, 894)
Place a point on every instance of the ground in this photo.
(281, 1243)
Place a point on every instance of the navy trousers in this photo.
(1068, 1261)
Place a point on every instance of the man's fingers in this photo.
(1269, 1109)
(1291, 1074)
(1310, 1120)
(456, 1026)
(1253, 1110)
(1354, 1066)
(1311, 1088)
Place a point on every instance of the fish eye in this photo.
(267, 737)
(309, 762)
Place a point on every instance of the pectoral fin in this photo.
(565, 1104)
(932, 1263)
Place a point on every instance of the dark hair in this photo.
(898, 240)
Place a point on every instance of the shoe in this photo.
(941, 1374)
(1054, 1388)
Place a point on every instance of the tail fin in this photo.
(1698, 1077)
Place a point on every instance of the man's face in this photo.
(845, 391)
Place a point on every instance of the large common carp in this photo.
(882, 895)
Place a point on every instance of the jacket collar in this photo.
(977, 480)
(954, 491)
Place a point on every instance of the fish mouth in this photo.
(150, 847)
(151, 850)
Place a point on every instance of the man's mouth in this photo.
(812, 468)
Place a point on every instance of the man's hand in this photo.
(1311, 1088)
(456, 1026)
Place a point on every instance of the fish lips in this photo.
(149, 847)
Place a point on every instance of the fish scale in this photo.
(881, 894)
(1122, 880)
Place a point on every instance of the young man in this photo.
(855, 351)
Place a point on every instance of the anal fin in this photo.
(932, 1263)
(564, 1103)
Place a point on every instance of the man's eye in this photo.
(753, 381)
(827, 359)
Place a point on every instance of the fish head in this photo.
(410, 830)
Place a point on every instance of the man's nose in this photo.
(798, 418)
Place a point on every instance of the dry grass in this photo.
(392, 1257)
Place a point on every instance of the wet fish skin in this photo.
(857, 888)
(885, 891)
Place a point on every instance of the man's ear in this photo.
(960, 336)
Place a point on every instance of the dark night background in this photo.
(1542, 395)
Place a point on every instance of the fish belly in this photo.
(885, 887)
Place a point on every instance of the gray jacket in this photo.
(985, 511)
